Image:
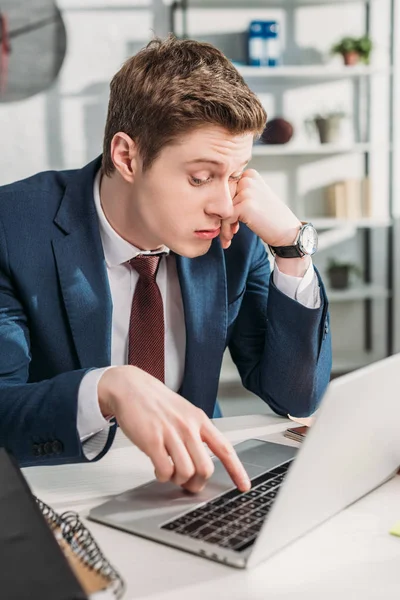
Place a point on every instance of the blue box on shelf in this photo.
(271, 43)
(263, 44)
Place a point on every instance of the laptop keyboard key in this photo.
(171, 526)
(258, 514)
(215, 538)
(219, 523)
(204, 532)
(235, 541)
(183, 520)
(230, 516)
(194, 525)
(272, 494)
(245, 544)
(260, 501)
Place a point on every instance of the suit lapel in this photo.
(203, 286)
(82, 271)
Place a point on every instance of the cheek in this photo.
(173, 204)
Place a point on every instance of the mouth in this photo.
(207, 234)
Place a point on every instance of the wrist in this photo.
(109, 389)
(296, 267)
(287, 237)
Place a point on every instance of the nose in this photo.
(221, 203)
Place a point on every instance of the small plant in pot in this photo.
(328, 126)
(339, 273)
(354, 50)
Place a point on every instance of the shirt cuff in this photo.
(303, 289)
(92, 427)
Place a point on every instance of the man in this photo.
(151, 259)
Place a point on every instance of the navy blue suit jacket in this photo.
(56, 310)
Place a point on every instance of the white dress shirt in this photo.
(122, 279)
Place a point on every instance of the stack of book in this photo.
(349, 199)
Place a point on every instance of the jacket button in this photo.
(57, 447)
(48, 448)
(35, 449)
(39, 450)
(326, 328)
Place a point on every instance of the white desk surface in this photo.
(352, 556)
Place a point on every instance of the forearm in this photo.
(289, 366)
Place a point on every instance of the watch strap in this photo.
(287, 251)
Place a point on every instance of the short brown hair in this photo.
(172, 87)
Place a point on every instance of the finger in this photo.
(235, 228)
(203, 464)
(250, 173)
(163, 466)
(224, 450)
(225, 234)
(183, 465)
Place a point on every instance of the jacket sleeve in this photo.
(37, 420)
(281, 348)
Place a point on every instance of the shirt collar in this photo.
(116, 250)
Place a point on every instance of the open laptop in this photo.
(352, 448)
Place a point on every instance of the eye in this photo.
(198, 182)
(236, 178)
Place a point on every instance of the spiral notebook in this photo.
(45, 555)
(90, 567)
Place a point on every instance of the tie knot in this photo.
(146, 265)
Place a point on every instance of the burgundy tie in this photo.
(146, 326)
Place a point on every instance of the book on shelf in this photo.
(349, 199)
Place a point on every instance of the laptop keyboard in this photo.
(234, 519)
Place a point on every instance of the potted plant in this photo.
(354, 49)
(328, 126)
(339, 273)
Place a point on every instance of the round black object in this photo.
(277, 131)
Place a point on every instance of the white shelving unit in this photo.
(364, 223)
(359, 292)
(351, 361)
(239, 4)
(293, 149)
(368, 145)
(324, 72)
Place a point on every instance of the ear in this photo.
(124, 154)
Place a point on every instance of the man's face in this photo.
(182, 198)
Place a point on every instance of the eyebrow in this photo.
(213, 162)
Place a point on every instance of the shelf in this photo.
(311, 150)
(352, 361)
(341, 364)
(103, 5)
(311, 71)
(359, 292)
(259, 3)
(364, 223)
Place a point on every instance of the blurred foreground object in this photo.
(32, 47)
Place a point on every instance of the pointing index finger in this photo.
(224, 450)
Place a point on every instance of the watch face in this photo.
(308, 240)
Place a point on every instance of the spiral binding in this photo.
(83, 545)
